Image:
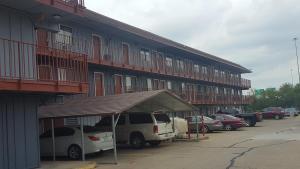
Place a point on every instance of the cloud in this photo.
(254, 33)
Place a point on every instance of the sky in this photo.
(257, 34)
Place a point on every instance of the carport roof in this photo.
(147, 101)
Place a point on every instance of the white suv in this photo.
(137, 129)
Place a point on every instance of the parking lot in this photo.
(272, 144)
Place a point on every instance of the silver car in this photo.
(210, 124)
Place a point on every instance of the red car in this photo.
(273, 113)
(230, 122)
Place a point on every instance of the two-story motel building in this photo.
(55, 48)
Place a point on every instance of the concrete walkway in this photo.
(68, 165)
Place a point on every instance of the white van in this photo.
(137, 129)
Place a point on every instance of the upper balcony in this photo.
(71, 6)
(116, 56)
(26, 67)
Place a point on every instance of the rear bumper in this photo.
(98, 146)
(162, 137)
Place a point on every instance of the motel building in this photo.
(55, 50)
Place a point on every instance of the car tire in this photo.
(137, 141)
(228, 127)
(154, 143)
(74, 152)
(276, 117)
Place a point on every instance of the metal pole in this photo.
(202, 119)
(296, 47)
(173, 121)
(82, 140)
(292, 77)
(197, 126)
(114, 138)
(53, 140)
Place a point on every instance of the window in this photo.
(162, 118)
(169, 62)
(106, 121)
(61, 74)
(59, 132)
(140, 118)
(149, 84)
(145, 56)
(196, 68)
(204, 69)
(64, 36)
(169, 85)
(130, 83)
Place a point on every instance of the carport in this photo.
(113, 105)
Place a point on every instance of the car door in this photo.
(46, 143)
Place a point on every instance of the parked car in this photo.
(249, 118)
(137, 129)
(210, 124)
(230, 122)
(273, 113)
(68, 141)
(291, 112)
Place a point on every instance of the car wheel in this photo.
(248, 122)
(74, 152)
(228, 127)
(277, 117)
(154, 143)
(137, 141)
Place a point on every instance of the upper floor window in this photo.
(130, 83)
(64, 36)
(196, 68)
(145, 56)
(169, 62)
(204, 69)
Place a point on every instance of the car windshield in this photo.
(162, 118)
(207, 118)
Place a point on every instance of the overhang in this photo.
(149, 101)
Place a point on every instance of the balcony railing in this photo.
(72, 6)
(29, 67)
(110, 55)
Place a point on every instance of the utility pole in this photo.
(296, 47)
(292, 77)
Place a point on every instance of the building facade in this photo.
(55, 49)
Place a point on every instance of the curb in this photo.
(91, 165)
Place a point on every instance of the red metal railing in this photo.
(26, 61)
(111, 56)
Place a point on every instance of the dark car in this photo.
(249, 118)
(273, 113)
(230, 122)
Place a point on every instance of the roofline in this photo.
(159, 39)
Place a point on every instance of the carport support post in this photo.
(82, 140)
(114, 138)
(53, 139)
(197, 126)
(173, 121)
